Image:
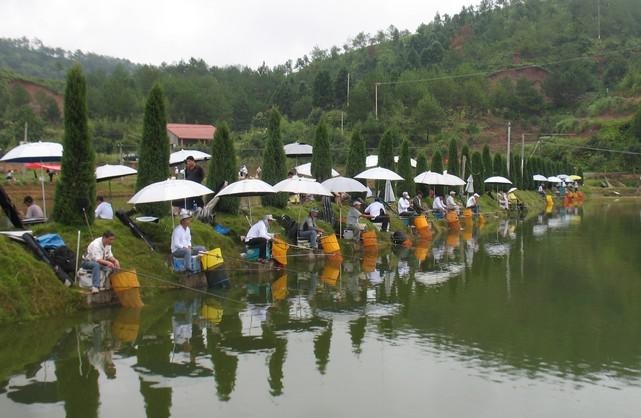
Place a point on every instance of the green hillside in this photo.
(566, 67)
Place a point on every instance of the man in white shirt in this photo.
(258, 236)
(404, 205)
(103, 209)
(181, 241)
(450, 203)
(376, 212)
(439, 208)
(99, 257)
(473, 203)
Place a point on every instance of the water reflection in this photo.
(520, 298)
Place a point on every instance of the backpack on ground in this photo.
(64, 257)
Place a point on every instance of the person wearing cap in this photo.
(309, 230)
(404, 205)
(376, 213)
(258, 236)
(181, 240)
(473, 203)
(353, 215)
(513, 199)
(450, 203)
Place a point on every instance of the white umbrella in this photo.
(246, 188)
(300, 185)
(296, 149)
(108, 172)
(553, 179)
(249, 187)
(378, 173)
(538, 177)
(469, 188)
(344, 185)
(35, 152)
(306, 170)
(497, 180)
(451, 180)
(179, 157)
(429, 177)
(396, 158)
(512, 190)
(563, 177)
(164, 191)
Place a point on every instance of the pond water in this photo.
(517, 318)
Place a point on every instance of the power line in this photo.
(592, 148)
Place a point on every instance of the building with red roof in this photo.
(181, 134)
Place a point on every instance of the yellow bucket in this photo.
(452, 217)
(467, 213)
(549, 200)
(330, 244)
(424, 233)
(420, 222)
(453, 239)
(123, 280)
(211, 259)
(279, 251)
(369, 239)
(369, 262)
(279, 288)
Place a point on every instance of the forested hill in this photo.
(547, 66)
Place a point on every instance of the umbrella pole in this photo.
(42, 185)
(110, 196)
(340, 219)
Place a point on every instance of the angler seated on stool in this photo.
(258, 236)
(309, 230)
(181, 241)
(353, 215)
(99, 258)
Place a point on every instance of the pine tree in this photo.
(488, 169)
(452, 159)
(386, 150)
(405, 170)
(497, 165)
(321, 156)
(153, 164)
(274, 166)
(323, 92)
(357, 155)
(223, 168)
(76, 189)
(465, 152)
(476, 169)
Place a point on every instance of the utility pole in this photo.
(509, 137)
(342, 117)
(26, 130)
(598, 17)
(376, 100)
(347, 89)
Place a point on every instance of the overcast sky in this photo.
(228, 32)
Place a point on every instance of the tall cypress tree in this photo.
(274, 166)
(223, 168)
(488, 168)
(465, 152)
(321, 155)
(153, 164)
(421, 167)
(357, 154)
(497, 165)
(386, 150)
(405, 170)
(76, 189)
(476, 169)
(452, 159)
